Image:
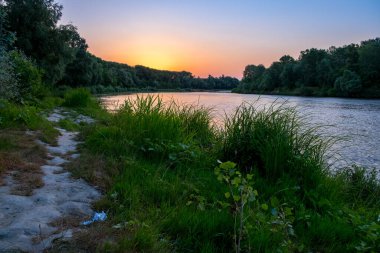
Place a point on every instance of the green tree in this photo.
(35, 24)
(369, 61)
(349, 84)
(309, 60)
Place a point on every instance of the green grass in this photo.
(156, 163)
(26, 117)
(68, 125)
(80, 97)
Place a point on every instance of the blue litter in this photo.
(97, 217)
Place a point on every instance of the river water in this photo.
(355, 120)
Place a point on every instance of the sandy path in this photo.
(25, 220)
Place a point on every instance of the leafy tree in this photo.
(253, 73)
(369, 62)
(29, 77)
(348, 84)
(351, 70)
(309, 60)
(35, 24)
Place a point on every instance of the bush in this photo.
(29, 77)
(9, 86)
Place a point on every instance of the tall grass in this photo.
(275, 141)
(148, 126)
(80, 97)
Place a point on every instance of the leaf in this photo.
(274, 202)
(249, 176)
(227, 165)
(288, 211)
(227, 195)
(236, 181)
(236, 198)
(264, 207)
(189, 203)
(172, 157)
(255, 193)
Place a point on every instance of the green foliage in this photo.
(80, 97)
(348, 71)
(149, 127)
(26, 117)
(241, 194)
(275, 142)
(9, 86)
(29, 77)
(348, 84)
(369, 55)
(68, 124)
(361, 186)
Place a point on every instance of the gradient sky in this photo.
(217, 36)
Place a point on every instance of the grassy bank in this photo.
(175, 183)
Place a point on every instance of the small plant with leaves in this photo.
(240, 197)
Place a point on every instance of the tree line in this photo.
(348, 71)
(36, 54)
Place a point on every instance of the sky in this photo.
(217, 37)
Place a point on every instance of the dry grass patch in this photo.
(94, 169)
(21, 157)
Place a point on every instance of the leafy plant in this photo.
(240, 196)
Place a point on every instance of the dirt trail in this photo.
(26, 221)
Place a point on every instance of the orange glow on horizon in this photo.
(165, 52)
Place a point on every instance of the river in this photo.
(355, 120)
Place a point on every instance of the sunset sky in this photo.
(217, 36)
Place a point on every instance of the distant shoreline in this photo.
(158, 91)
(296, 93)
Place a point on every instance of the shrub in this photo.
(9, 86)
(29, 77)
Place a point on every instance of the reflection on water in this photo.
(356, 119)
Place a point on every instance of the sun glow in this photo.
(156, 59)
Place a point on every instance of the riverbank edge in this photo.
(370, 94)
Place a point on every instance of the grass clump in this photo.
(80, 97)
(275, 142)
(152, 129)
